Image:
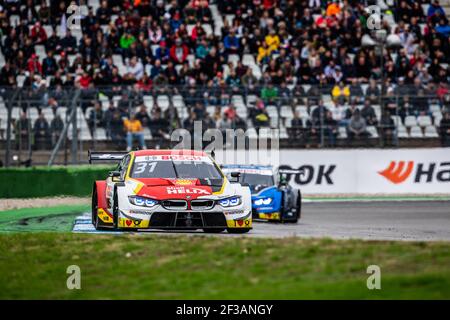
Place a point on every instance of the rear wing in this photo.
(284, 174)
(290, 171)
(102, 156)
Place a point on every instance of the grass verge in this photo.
(57, 218)
(33, 266)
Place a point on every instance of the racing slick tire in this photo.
(94, 219)
(299, 205)
(298, 212)
(116, 214)
(238, 230)
(115, 210)
(213, 230)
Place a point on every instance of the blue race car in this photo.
(273, 199)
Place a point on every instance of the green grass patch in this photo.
(33, 266)
(58, 218)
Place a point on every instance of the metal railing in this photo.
(317, 116)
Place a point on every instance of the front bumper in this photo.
(179, 220)
(267, 216)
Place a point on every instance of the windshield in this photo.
(148, 167)
(257, 179)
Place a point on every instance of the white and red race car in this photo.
(169, 189)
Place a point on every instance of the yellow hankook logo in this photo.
(184, 182)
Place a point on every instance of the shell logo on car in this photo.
(185, 182)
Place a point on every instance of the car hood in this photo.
(161, 189)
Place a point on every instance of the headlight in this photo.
(142, 202)
(230, 202)
(262, 201)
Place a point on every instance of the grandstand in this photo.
(254, 64)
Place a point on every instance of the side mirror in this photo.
(114, 174)
(236, 176)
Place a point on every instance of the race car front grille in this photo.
(187, 219)
(174, 204)
(199, 204)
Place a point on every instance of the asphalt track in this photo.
(378, 220)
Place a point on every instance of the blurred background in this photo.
(327, 74)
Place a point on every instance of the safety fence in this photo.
(68, 121)
(327, 172)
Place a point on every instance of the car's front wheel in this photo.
(296, 212)
(238, 230)
(94, 206)
(299, 205)
(115, 210)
